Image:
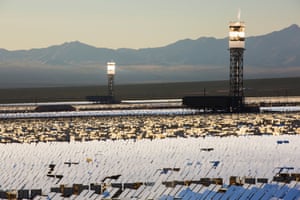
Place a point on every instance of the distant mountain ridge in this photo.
(279, 50)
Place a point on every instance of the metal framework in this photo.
(110, 85)
(236, 72)
(236, 78)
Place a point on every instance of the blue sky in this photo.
(27, 24)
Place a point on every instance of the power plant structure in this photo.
(110, 97)
(111, 71)
(236, 48)
(234, 102)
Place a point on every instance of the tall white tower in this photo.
(111, 70)
(236, 48)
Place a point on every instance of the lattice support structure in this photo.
(110, 85)
(236, 72)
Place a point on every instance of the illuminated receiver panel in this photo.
(111, 68)
(237, 35)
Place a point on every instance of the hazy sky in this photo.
(29, 24)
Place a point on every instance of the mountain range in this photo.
(276, 54)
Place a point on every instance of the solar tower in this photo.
(111, 70)
(236, 48)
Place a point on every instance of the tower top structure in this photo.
(111, 68)
(237, 33)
